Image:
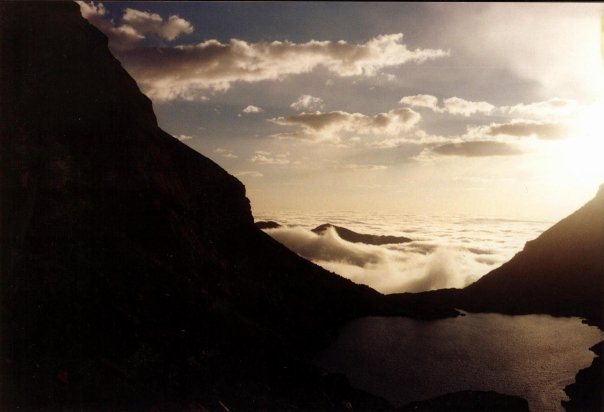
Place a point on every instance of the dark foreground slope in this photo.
(559, 273)
(131, 271)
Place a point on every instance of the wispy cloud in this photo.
(476, 149)
(225, 153)
(524, 128)
(267, 158)
(452, 105)
(248, 173)
(331, 126)
(552, 107)
(455, 105)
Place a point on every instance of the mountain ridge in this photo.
(132, 274)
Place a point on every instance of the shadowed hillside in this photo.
(560, 273)
(132, 273)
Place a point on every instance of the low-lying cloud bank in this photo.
(413, 267)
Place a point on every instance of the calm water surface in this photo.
(404, 360)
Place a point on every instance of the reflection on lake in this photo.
(405, 360)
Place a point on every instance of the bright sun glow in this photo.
(579, 157)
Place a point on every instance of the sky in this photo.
(422, 108)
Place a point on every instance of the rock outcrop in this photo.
(355, 237)
(267, 224)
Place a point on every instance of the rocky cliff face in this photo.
(131, 270)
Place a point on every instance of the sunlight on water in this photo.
(445, 251)
(404, 360)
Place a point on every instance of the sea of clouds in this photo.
(446, 252)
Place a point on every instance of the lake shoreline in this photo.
(432, 358)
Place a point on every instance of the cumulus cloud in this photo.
(167, 73)
(183, 137)
(330, 126)
(476, 149)
(452, 105)
(267, 158)
(252, 109)
(225, 153)
(307, 102)
(134, 27)
(387, 270)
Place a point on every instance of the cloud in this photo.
(183, 137)
(135, 25)
(250, 173)
(307, 102)
(421, 100)
(526, 128)
(330, 126)
(252, 109)
(120, 37)
(225, 153)
(266, 158)
(151, 23)
(455, 105)
(452, 105)
(418, 137)
(552, 107)
(414, 268)
(168, 73)
(476, 149)
(361, 167)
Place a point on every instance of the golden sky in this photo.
(480, 109)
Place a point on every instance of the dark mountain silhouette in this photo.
(267, 224)
(559, 273)
(131, 271)
(355, 237)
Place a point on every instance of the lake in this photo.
(405, 360)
